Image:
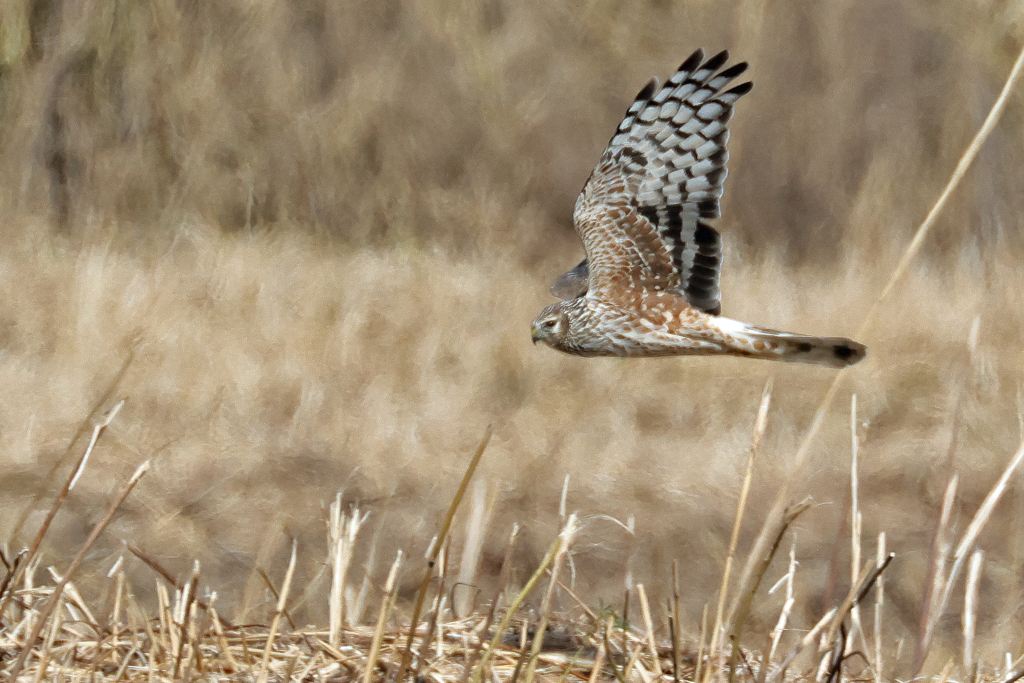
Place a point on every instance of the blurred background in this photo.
(320, 231)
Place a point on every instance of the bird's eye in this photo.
(549, 323)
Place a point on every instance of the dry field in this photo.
(303, 242)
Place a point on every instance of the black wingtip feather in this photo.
(648, 90)
(706, 261)
(703, 273)
(702, 286)
(717, 61)
(741, 89)
(693, 61)
(709, 209)
(733, 71)
(705, 235)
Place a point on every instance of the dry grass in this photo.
(187, 638)
(251, 433)
(319, 232)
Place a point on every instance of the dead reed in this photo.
(170, 174)
(49, 631)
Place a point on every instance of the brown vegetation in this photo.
(317, 232)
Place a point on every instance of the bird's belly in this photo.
(626, 333)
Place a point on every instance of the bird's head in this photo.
(551, 326)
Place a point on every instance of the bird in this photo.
(648, 286)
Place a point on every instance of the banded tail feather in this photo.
(759, 342)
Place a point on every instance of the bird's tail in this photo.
(759, 342)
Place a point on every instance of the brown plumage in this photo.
(649, 283)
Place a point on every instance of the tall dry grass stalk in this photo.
(808, 638)
(760, 424)
(970, 616)
(556, 552)
(387, 603)
(343, 532)
(936, 577)
(57, 595)
(780, 625)
(304, 241)
(278, 613)
(978, 522)
(909, 254)
(434, 551)
(27, 559)
(719, 628)
(475, 535)
(565, 540)
(879, 607)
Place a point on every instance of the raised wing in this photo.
(664, 167)
(572, 284)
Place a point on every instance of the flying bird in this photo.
(649, 283)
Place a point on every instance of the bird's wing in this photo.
(662, 172)
(572, 284)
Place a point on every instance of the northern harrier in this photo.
(649, 283)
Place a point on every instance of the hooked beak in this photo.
(535, 334)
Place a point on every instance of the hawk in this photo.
(649, 283)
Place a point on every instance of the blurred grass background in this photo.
(325, 227)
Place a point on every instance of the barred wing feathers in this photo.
(665, 167)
